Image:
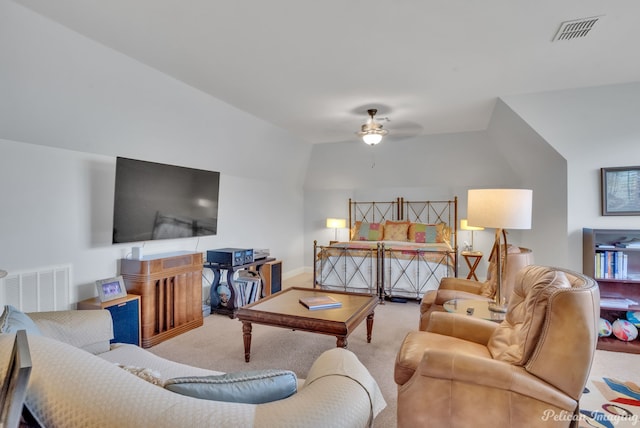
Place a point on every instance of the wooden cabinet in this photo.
(616, 268)
(170, 290)
(125, 315)
(472, 258)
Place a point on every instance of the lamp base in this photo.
(495, 307)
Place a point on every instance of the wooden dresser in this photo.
(170, 289)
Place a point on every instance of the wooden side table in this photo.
(125, 314)
(473, 259)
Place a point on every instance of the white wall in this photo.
(592, 128)
(542, 169)
(69, 106)
(429, 167)
(554, 143)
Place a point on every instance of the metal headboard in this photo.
(430, 212)
(373, 212)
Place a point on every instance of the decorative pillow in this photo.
(13, 320)
(149, 375)
(355, 230)
(369, 232)
(251, 387)
(428, 233)
(396, 230)
(446, 233)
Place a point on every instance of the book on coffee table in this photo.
(320, 302)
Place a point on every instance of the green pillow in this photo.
(13, 320)
(252, 387)
(370, 232)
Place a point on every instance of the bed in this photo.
(396, 249)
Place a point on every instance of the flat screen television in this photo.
(160, 201)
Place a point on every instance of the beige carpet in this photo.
(218, 345)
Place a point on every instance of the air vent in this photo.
(574, 29)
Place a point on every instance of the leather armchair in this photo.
(458, 288)
(528, 371)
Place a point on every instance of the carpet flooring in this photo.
(612, 395)
(218, 345)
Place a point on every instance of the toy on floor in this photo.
(624, 330)
(604, 328)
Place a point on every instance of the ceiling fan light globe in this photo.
(372, 139)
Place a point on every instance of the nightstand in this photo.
(125, 313)
(473, 259)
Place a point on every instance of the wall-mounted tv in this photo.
(160, 201)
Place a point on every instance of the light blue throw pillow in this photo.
(252, 387)
(13, 320)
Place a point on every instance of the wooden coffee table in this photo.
(283, 309)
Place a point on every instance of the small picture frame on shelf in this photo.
(620, 190)
(111, 288)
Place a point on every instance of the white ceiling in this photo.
(315, 67)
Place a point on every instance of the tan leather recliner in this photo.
(527, 371)
(458, 288)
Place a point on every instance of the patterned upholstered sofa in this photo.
(75, 382)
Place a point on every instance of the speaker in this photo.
(271, 277)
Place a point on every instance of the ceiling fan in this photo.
(372, 132)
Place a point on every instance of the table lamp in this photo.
(336, 223)
(500, 209)
(464, 225)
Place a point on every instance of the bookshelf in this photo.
(616, 267)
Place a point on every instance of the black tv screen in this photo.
(159, 201)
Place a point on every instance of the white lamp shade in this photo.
(500, 208)
(336, 223)
(464, 225)
(372, 139)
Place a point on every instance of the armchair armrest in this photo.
(457, 367)
(463, 327)
(450, 288)
(428, 299)
(335, 378)
(88, 330)
(461, 284)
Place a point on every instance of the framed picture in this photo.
(111, 288)
(620, 190)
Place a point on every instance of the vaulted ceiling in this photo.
(314, 68)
